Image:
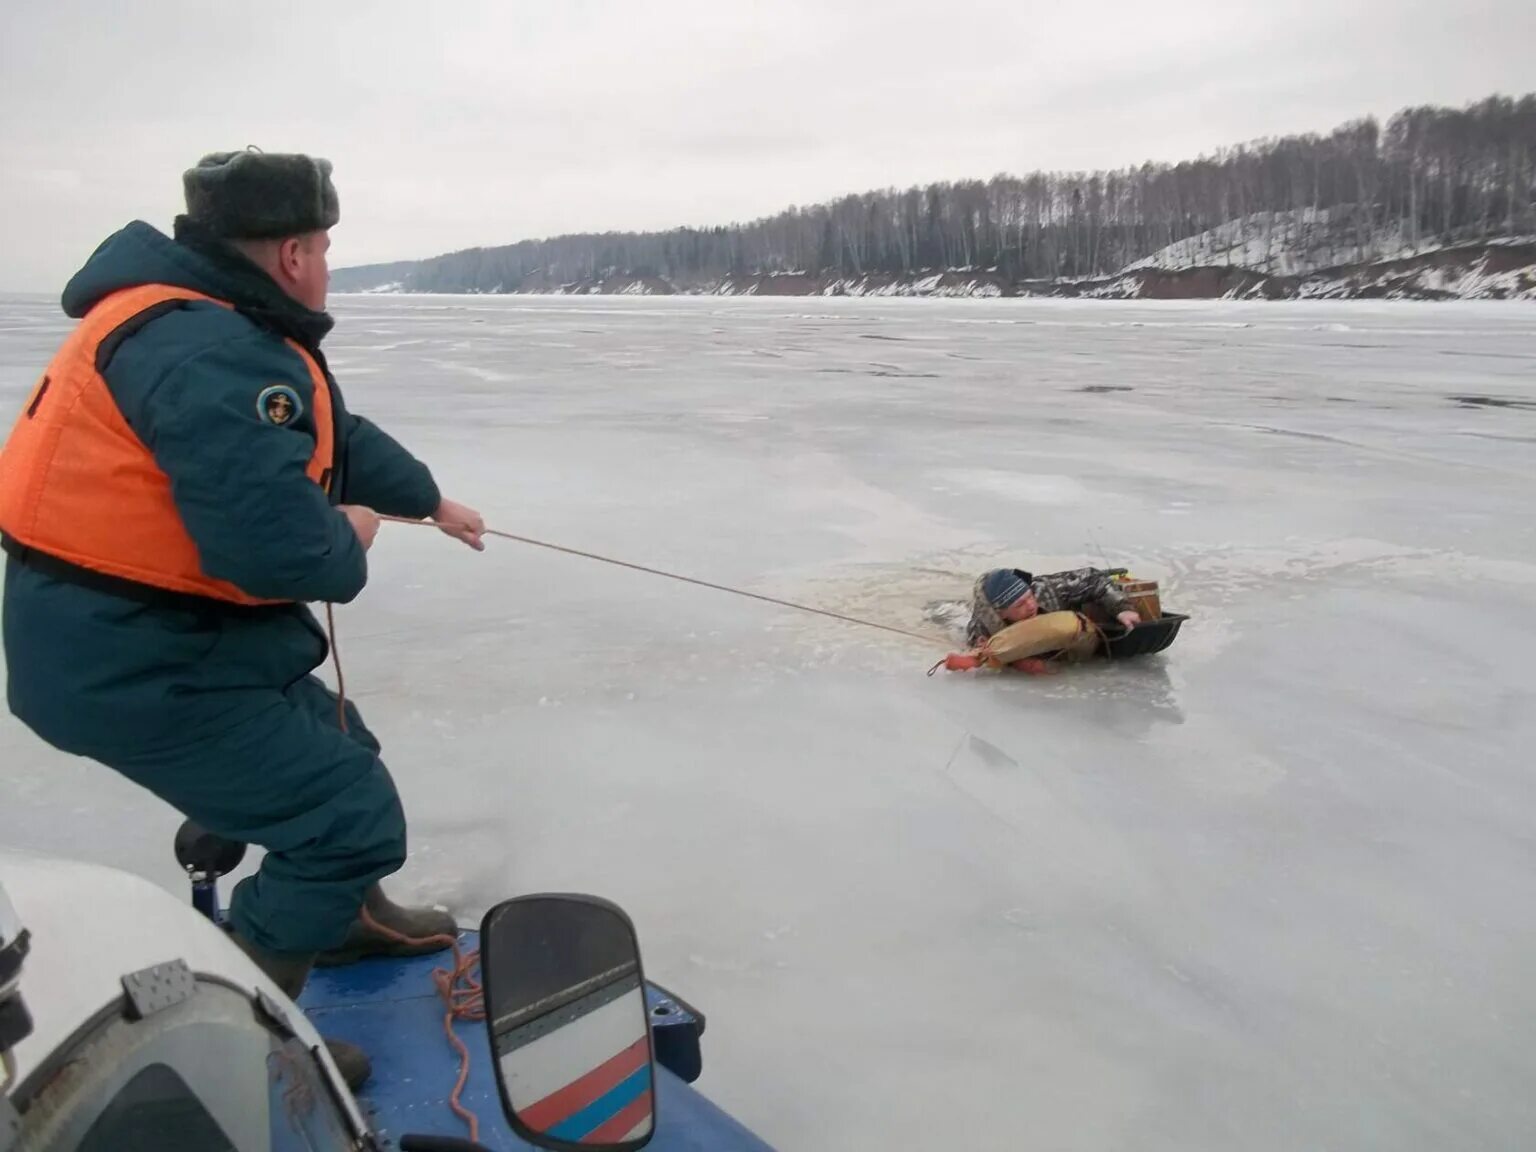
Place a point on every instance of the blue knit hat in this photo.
(1005, 587)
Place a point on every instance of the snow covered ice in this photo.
(1272, 890)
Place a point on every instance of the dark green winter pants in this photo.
(275, 769)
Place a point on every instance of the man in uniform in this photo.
(182, 479)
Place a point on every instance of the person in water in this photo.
(1005, 596)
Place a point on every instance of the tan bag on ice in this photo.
(1066, 633)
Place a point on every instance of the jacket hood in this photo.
(141, 254)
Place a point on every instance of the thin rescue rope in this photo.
(341, 681)
(330, 615)
(684, 579)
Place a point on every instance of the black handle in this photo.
(416, 1142)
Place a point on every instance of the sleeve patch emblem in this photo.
(279, 405)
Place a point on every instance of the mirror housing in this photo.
(203, 855)
(566, 1015)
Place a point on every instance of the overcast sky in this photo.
(485, 123)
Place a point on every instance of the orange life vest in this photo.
(77, 485)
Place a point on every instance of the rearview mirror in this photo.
(570, 1037)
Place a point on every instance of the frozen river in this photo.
(1273, 890)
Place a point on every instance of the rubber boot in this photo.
(351, 1061)
(426, 930)
(290, 972)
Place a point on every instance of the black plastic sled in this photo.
(1144, 639)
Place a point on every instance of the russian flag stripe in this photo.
(579, 1125)
(563, 1105)
(629, 1123)
(566, 1047)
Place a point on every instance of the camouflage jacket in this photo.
(1055, 592)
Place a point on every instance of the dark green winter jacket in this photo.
(92, 671)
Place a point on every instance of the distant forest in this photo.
(1434, 174)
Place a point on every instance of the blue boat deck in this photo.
(390, 1008)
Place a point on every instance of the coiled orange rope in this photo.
(463, 999)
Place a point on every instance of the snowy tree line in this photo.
(1434, 175)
